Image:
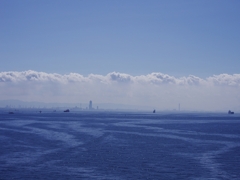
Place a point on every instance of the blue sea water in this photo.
(119, 145)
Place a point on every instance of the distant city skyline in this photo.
(156, 90)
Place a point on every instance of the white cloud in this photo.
(225, 79)
(157, 90)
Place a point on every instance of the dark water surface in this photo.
(115, 145)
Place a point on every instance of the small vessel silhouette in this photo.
(230, 112)
(154, 111)
(67, 110)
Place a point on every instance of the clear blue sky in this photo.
(198, 37)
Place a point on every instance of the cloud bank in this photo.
(156, 90)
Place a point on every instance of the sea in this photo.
(118, 145)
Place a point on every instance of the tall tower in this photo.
(90, 104)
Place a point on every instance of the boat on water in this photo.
(230, 112)
(67, 110)
(154, 111)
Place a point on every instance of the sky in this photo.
(157, 53)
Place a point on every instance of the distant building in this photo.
(90, 105)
